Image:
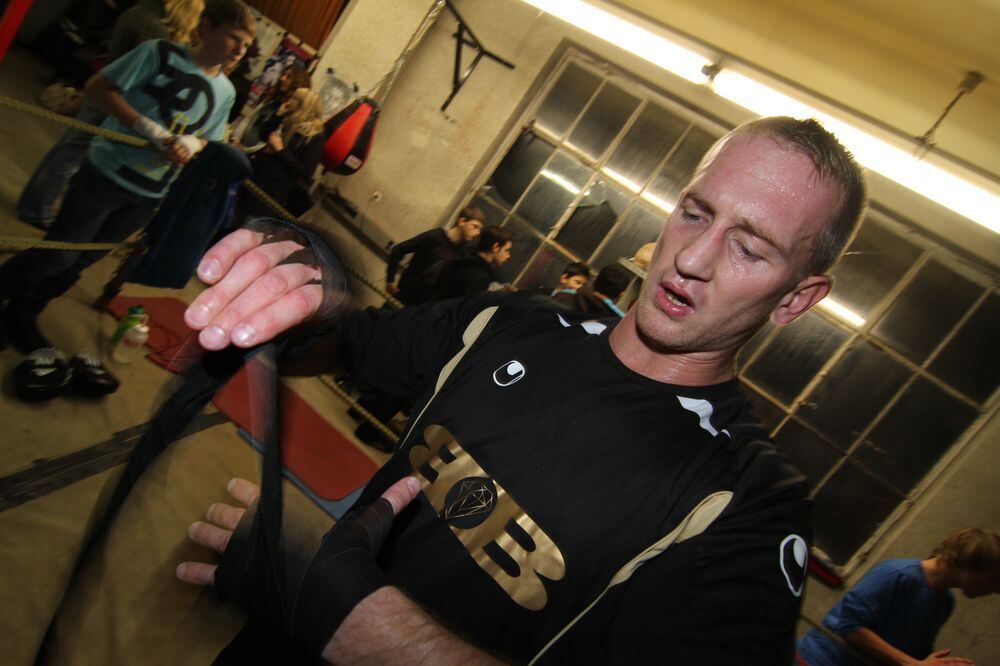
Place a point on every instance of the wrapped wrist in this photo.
(151, 130)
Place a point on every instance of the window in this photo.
(867, 403)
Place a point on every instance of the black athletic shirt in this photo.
(431, 250)
(547, 466)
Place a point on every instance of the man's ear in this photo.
(807, 293)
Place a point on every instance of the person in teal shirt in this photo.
(177, 98)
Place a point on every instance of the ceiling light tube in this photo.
(941, 181)
(628, 35)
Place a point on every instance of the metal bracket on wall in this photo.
(465, 37)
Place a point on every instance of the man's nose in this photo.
(698, 254)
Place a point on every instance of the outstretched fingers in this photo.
(255, 281)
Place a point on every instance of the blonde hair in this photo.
(307, 118)
(181, 19)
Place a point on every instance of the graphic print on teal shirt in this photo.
(160, 80)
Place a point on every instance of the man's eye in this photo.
(746, 253)
(691, 216)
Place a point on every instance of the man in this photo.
(174, 96)
(609, 284)
(473, 272)
(430, 251)
(537, 505)
(895, 611)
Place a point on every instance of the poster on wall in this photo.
(289, 52)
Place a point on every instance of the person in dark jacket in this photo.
(284, 168)
(473, 272)
(430, 250)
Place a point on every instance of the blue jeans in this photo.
(59, 164)
(95, 210)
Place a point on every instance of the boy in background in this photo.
(175, 97)
(574, 277)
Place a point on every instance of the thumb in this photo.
(401, 493)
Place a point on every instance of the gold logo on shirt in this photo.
(506, 543)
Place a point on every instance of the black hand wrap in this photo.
(320, 591)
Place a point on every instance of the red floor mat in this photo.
(315, 451)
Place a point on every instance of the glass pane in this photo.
(642, 224)
(542, 275)
(848, 508)
(793, 356)
(971, 360)
(593, 218)
(927, 310)
(807, 450)
(921, 426)
(570, 94)
(872, 266)
(767, 413)
(648, 141)
(494, 212)
(525, 243)
(841, 412)
(602, 121)
(676, 173)
(517, 169)
(552, 193)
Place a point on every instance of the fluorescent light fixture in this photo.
(841, 312)
(626, 34)
(662, 204)
(561, 181)
(921, 176)
(972, 197)
(622, 180)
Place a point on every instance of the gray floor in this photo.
(57, 459)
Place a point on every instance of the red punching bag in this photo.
(349, 136)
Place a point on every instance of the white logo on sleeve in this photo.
(508, 373)
(793, 555)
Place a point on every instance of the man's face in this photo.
(470, 228)
(501, 253)
(733, 250)
(572, 281)
(225, 44)
(975, 584)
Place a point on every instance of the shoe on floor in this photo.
(91, 378)
(22, 332)
(374, 438)
(44, 374)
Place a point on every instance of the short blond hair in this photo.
(972, 549)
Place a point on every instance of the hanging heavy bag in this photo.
(349, 136)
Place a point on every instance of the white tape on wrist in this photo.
(191, 143)
(152, 130)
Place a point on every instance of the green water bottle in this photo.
(135, 316)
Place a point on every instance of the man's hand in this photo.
(274, 140)
(222, 519)
(942, 658)
(254, 296)
(175, 151)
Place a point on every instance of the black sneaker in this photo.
(91, 378)
(22, 333)
(42, 375)
(374, 438)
